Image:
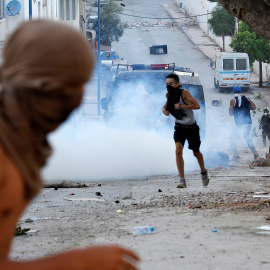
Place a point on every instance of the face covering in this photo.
(171, 88)
(45, 64)
(239, 99)
(173, 97)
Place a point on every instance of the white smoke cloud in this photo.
(98, 152)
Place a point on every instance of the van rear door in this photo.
(242, 72)
(227, 72)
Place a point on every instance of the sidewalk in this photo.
(199, 38)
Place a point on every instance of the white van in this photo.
(231, 69)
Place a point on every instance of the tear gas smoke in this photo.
(134, 142)
(219, 126)
(100, 153)
(129, 146)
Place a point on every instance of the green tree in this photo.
(111, 28)
(222, 23)
(257, 47)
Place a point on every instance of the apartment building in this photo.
(71, 12)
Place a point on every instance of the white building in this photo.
(71, 12)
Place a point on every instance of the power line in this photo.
(165, 18)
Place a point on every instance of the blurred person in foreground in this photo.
(45, 66)
(265, 125)
(240, 107)
(180, 104)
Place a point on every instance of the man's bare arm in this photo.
(252, 104)
(192, 103)
(232, 103)
(92, 258)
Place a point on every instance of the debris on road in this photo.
(64, 184)
(128, 197)
(261, 196)
(19, 231)
(217, 102)
(260, 162)
(85, 199)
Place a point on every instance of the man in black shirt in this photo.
(240, 107)
(180, 104)
(265, 126)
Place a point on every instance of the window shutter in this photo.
(2, 9)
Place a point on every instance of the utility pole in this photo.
(98, 93)
(30, 9)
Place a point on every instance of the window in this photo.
(241, 64)
(62, 13)
(227, 64)
(67, 10)
(2, 9)
(73, 10)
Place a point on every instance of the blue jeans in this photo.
(237, 131)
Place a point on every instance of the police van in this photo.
(231, 69)
(121, 106)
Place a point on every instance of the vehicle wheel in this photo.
(245, 89)
(215, 83)
(220, 89)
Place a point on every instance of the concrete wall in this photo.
(265, 71)
(201, 7)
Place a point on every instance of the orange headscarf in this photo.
(45, 65)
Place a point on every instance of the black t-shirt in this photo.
(265, 123)
(242, 113)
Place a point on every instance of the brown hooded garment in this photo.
(45, 65)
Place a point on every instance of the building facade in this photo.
(71, 12)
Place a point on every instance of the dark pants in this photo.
(265, 133)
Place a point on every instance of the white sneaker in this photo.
(182, 183)
(205, 179)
